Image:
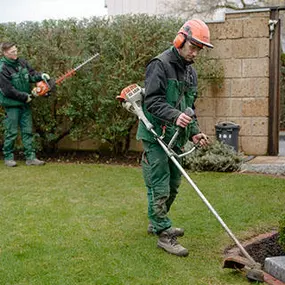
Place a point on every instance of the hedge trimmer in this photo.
(44, 87)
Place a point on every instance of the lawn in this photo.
(68, 224)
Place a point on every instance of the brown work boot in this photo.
(179, 232)
(168, 242)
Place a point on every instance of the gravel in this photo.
(275, 169)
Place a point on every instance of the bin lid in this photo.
(227, 125)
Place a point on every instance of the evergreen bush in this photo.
(217, 156)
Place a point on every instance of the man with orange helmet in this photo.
(170, 87)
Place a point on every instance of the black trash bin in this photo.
(227, 132)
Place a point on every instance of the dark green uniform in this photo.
(15, 79)
(170, 87)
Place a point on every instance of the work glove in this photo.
(29, 99)
(45, 76)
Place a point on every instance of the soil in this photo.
(129, 159)
(260, 247)
(79, 157)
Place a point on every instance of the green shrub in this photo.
(85, 106)
(215, 157)
(283, 59)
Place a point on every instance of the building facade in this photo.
(151, 7)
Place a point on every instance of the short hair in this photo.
(6, 45)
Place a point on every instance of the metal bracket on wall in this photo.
(272, 24)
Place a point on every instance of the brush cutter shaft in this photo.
(132, 95)
(142, 116)
(201, 195)
(171, 154)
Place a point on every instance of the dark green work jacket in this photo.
(15, 79)
(170, 87)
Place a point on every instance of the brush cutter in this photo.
(44, 87)
(131, 99)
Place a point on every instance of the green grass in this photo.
(71, 224)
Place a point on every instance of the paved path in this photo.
(279, 160)
(266, 164)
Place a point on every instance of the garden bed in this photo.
(259, 247)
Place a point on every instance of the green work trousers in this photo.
(18, 117)
(162, 179)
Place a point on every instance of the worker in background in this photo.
(15, 96)
(170, 87)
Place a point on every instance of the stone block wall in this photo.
(241, 44)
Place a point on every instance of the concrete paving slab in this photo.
(275, 266)
(268, 160)
(274, 165)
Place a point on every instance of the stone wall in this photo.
(242, 46)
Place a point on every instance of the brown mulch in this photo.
(259, 247)
(129, 159)
(79, 157)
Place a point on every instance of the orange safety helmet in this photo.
(196, 31)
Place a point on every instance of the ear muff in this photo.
(179, 40)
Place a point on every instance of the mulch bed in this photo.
(259, 247)
(78, 157)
